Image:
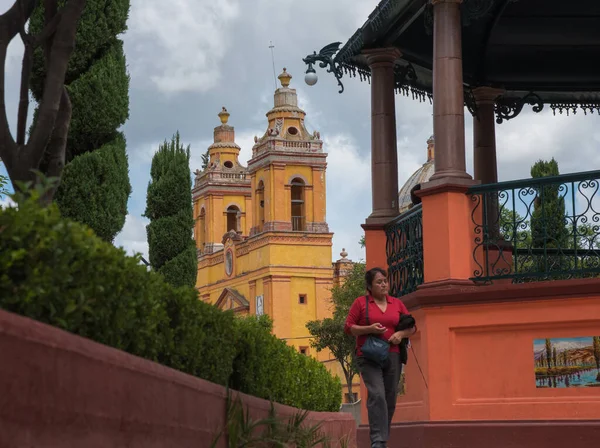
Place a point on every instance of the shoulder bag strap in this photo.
(367, 309)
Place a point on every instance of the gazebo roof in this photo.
(537, 51)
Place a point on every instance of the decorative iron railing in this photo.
(404, 250)
(545, 228)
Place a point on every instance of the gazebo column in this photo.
(448, 239)
(486, 171)
(484, 135)
(384, 153)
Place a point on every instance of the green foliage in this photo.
(59, 272)
(100, 23)
(329, 333)
(169, 207)
(267, 367)
(548, 218)
(362, 242)
(343, 296)
(241, 430)
(514, 228)
(79, 197)
(100, 102)
(98, 85)
(205, 159)
(3, 184)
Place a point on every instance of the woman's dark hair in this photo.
(370, 276)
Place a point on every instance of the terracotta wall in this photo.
(60, 390)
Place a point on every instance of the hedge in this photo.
(59, 272)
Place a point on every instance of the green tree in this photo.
(548, 217)
(513, 227)
(362, 241)
(329, 333)
(95, 187)
(555, 357)
(172, 249)
(205, 159)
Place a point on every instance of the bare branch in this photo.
(10, 24)
(9, 21)
(58, 141)
(63, 44)
(24, 93)
(8, 146)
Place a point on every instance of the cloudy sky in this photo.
(188, 58)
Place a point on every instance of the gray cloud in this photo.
(188, 58)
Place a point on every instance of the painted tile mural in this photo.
(567, 362)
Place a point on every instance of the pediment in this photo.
(230, 299)
(231, 237)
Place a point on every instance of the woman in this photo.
(381, 380)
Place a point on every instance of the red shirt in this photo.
(389, 319)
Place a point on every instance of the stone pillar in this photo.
(499, 252)
(448, 97)
(484, 135)
(384, 153)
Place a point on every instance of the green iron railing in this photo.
(404, 250)
(545, 228)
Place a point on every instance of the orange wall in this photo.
(478, 361)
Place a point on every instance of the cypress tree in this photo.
(95, 185)
(172, 249)
(548, 217)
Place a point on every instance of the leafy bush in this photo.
(267, 367)
(59, 272)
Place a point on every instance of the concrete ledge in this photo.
(61, 390)
(491, 434)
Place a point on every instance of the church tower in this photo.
(287, 170)
(221, 192)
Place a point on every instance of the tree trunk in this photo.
(49, 133)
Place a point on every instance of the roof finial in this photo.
(224, 116)
(343, 253)
(284, 78)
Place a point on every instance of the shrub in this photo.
(59, 272)
(267, 367)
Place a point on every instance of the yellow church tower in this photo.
(221, 192)
(264, 246)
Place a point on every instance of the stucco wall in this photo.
(60, 390)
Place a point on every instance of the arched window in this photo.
(201, 229)
(298, 217)
(260, 200)
(232, 218)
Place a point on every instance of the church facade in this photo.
(264, 246)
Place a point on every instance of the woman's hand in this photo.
(376, 328)
(397, 337)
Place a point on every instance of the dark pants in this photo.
(382, 390)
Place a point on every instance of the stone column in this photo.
(448, 98)
(384, 152)
(484, 135)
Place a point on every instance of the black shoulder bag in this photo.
(375, 349)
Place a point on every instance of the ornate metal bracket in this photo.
(470, 102)
(404, 75)
(509, 108)
(475, 9)
(326, 59)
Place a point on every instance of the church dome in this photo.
(420, 176)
